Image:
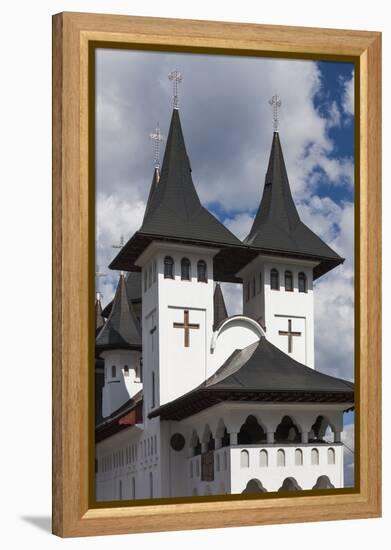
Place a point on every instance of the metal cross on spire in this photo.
(176, 78)
(157, 139)
(98, 275)
(119, 245)
(275, 102)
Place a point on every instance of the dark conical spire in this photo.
(277, 226)
(154, 184)
(219, 309)
(99, 320)
(174, 208)
(122, 329)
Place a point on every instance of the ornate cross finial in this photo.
(98, 275)
(275, 102)
(175, 77)
(157, 138)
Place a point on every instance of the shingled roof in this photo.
(260, 372)
(122, 329)
(174, 213)
(277, 227)
(154, 184)
(219, 309)
(133, 291)
(99, 320)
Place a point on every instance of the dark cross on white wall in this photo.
(290, 335)
(187, 327)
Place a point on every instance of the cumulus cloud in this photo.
(348, 95)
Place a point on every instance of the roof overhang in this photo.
(203, 398)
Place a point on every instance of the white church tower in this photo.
(278, 283)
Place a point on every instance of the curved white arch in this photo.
(234, 319)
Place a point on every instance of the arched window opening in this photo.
(274, 280)
(197, 447)
(280, 457)
(289, 484)
(323, 482)
(113, 371)
(287, 431)
(298, 457)
(225, 439)
(251, 432)
(168, 267)
(244, 459)
(254, 486)
(330, 456)
(211, 443)
(202, 274)
(150, 485)
(302, 282)
(288, 281)
(153, 390)
(263, 458)
(126, 370)
(319, 429)
(314, 456)
(185, 269)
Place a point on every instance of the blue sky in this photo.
(227, 125)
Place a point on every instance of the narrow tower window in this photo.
(202, 271)
(280, 457)
(298, 457)
(185, 269)
(274, 280)
(302, 282)
(153, 390)
(113, 371)
(168, 267)
(314, 456)
(330, 456)
(126, 370)
(288, 281)
(244, 459)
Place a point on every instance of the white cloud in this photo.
(348, 95)
(240, 224)
(334, 115)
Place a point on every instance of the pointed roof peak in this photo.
(174, 209)
(122, 329)
(99, 319)
(277, 227)
(219, 308)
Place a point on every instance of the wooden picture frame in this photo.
(73, 461)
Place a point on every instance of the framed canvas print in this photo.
(216, 274)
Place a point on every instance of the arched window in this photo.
(302, 282)
(153, 390)
(274, 280)
(330, 456)
(244, 459)
(280, 457)
(202, 275)
(251, 432)
(288, 281)
(287, 431)
(314, 456)
(168, 267)
(145, 280)
(113, 371)
(260, 282)
(298, 457)
(150, 485)
(263, 458)
(185, 269)
(126, 370)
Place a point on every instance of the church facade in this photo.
(191, 401)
